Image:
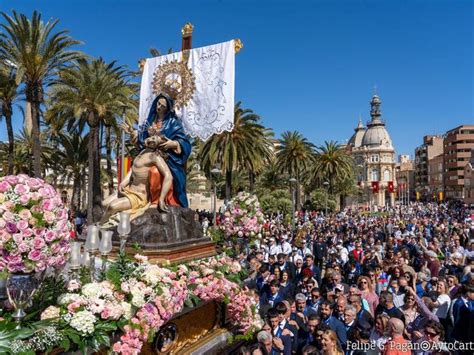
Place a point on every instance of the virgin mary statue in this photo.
(163, 121)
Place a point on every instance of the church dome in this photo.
(356, 140)
(376, 135)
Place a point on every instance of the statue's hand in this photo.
(169, 144)
(130, 131)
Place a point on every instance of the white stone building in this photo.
(374, 158)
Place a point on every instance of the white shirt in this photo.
(444, 303)
(286, 248)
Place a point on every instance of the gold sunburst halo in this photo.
(165, 79)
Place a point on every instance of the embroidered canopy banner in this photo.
(202, 86)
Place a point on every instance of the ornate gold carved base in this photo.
(175, 255)
(189, 331)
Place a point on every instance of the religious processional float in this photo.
(64, 298)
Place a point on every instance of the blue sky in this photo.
(309, 66)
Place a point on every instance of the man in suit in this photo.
(281, 336)
(285, 265)
(350, 321)
(320, 251)
(336, 325)
(271, 298)
(463, 315)
(309, 264)
(308, 337)
(361, 313)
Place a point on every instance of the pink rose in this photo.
(50, 236)
(2, 223)
(28, 232)
(49, 217)
(11, 179)
(8, 216)
(44, 193)
(24, 199)
(39, 232)
(38, 243)
(25, 214)
(4, 186)
(23, 248)
(34, 255)
(34, 183)
(21, 189)
(22, 225)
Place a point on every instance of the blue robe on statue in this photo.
(172, 128)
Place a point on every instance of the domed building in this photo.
(374, 158)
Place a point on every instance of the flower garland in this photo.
(142, 297)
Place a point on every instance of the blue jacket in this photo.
(340, 329)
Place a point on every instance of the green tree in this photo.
(38, 54)
(8, 94)
(294, 155)
(334, 165)
(71, 160)
(246, 147)
(91, 91)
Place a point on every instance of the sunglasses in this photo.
(362, 282)
(431, 334)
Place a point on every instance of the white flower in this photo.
(138, 298)
(68, 298)
(153, 274)
(91, 290)
(83, 321)
(127, 310)
(50, 312)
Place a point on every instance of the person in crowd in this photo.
(365, 287)
(335, 324)
(330, 343)
(397, 344)
(387, 306)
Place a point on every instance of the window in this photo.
(374, 158)
(386, 175)
(375, 175)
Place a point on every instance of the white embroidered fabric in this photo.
(211, 109)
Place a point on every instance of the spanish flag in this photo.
(123, 167)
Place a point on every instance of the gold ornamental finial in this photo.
(141, 64)
(238, 45)
(187, 30)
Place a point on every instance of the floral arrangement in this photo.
(137, 298)
(244, 216)
(34, 228)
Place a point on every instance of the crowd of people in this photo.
(399, 281)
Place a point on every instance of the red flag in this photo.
(375, 187)
(390, 186)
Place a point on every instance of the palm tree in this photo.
(247, 146)
(91, 91)
(294, 154)
(332, 164)
(71, 157)
(38, 55)
(8, 94)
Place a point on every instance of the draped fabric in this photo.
(211, 108)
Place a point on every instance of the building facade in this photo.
(458, 144)
(469, 181)
(405, 177)
(432, 146)
(436, 178)
(374, 158)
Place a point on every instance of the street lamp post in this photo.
(292, 189)
(215, 174)
(326, 186)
